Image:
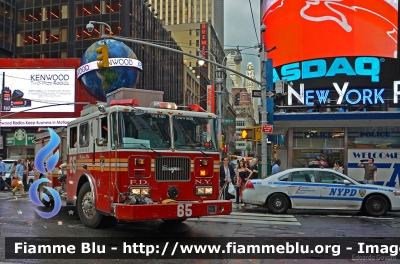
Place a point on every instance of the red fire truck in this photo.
(129, 162)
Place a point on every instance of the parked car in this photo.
(319, 189)
(9, 165)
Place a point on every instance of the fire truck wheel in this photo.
(88, 214)
(174, 221)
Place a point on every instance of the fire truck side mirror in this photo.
(101, 142)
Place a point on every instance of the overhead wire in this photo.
(254, 24)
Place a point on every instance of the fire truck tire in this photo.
(174, 221)
(88, 214)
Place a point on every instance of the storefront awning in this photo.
(284, 121)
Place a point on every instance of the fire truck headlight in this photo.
(203, 173)
(135, 191)
(139, 161)
(203, 162)
(200, 190)
(204, 190)
(145, 191)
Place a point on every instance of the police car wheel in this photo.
(376, 205)
(278, 203)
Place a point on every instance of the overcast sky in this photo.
(239, 29)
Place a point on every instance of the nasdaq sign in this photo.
(365, 66)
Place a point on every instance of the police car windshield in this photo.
(194, 133)
(151, 131)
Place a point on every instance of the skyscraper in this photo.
(174, 12)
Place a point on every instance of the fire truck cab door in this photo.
(102, 163)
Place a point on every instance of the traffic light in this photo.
(103, 56)
(237, 99)
(247, 134)
(275, 148)
(257, 132)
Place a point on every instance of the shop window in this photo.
(330, 177)
(73, 132)
(84, 135)
(318, 138)
(374, 137)
(303, 176)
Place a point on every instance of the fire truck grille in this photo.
(172, 169)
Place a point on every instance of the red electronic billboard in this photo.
(306, 29)
(334, 44)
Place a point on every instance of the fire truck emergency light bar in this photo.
(164, 105)
(133, 102)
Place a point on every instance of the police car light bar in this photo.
(164, 105)
(195, 107)
(132, 102)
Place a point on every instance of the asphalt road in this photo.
(19, 219)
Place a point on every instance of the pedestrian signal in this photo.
(103, 56)
(247, 134)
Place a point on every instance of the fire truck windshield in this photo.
(194, 133)
(154, 131)
(143, 131)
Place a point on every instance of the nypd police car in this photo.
(318, 188)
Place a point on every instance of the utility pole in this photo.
(264, 136)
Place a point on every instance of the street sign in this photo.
(271, 94)
(256, 93)
(267, 128)
(230, 121)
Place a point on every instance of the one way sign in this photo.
(257, 93)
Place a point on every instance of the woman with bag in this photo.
(244, 174)
(227, 180)
(17, 179)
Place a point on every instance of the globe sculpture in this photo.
(123, 71)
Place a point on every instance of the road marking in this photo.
(249, 218)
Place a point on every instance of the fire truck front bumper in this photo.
(178, 210)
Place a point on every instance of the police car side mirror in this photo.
(346, 182)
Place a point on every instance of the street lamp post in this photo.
(264, 137)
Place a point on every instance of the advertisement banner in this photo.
(35, 122)
(39, 90)
(210, 98)
(387, 162)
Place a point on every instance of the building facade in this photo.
(250, 86)
(244, 118)
(7, 28)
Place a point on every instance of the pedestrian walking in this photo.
(371, 171)
(226, 176)
(17, 178)
(254, 168)
(277, 167)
